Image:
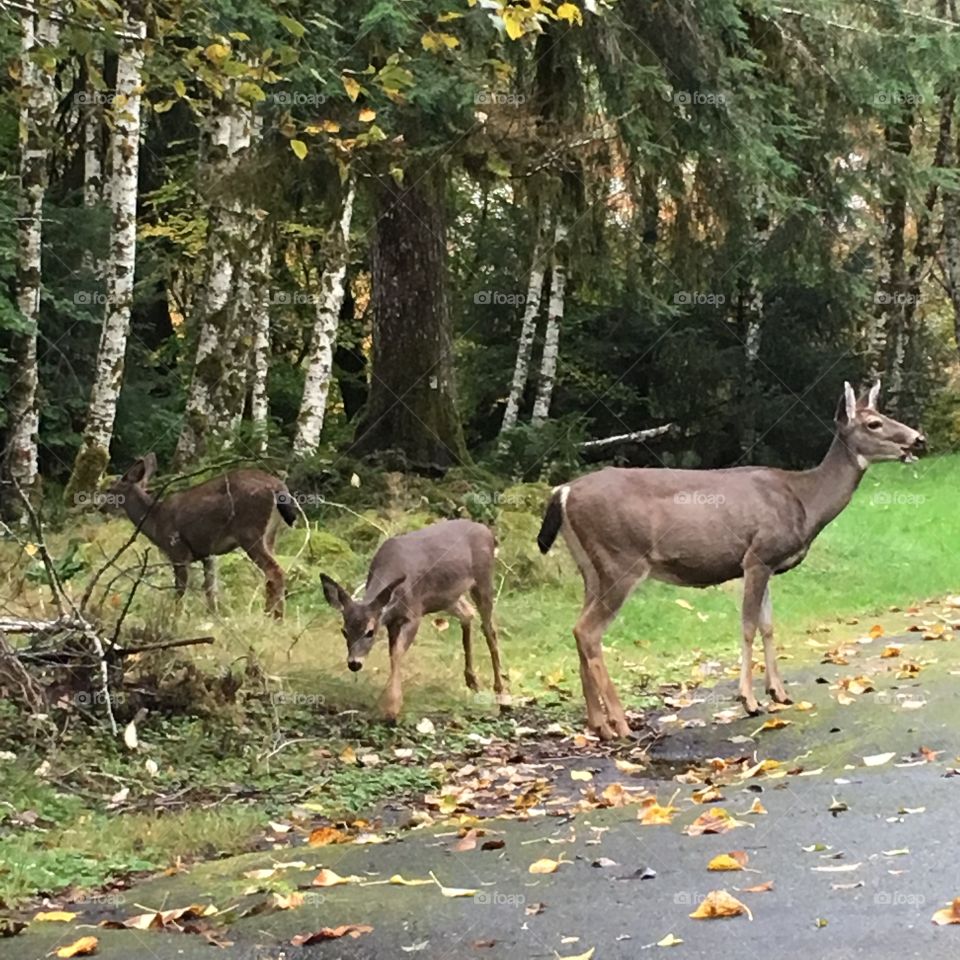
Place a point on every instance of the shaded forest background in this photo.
(433, 233)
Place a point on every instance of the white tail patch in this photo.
(574, 545)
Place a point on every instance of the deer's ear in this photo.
(873, 396)
(135, 473)
(847, 407)
(149, 466)
(383, 597)
(337, 597)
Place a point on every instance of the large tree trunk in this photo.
(951, 249)
(94, 453)
(412, 407)
(215, 375)
(551, 341)
(887, 339)
(92, 163)
(528, 328)
(36, 126)
(320, 368)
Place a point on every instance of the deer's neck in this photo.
(829, 486)
(142, 509)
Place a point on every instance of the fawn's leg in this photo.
(400, 637)
(465, 613)
(181, 576)
(483, 595)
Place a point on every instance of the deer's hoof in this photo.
(751, 707)
(780, 698)
(472, 684)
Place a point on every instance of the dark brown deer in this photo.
(698, 528)
(415, 574)
(242, 508)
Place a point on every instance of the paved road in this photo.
(899, 867)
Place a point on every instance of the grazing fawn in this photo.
(699, 528)
(242, 508)
(415, 574)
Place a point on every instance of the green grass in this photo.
(894, 545)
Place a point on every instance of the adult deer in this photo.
(415, 574)
(698, 528)
(242, 508)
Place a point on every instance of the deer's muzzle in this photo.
(355, 665)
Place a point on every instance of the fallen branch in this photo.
(638, 436)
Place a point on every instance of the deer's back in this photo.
(440, 562)
(229, 511)
(694, 526)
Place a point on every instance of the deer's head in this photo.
(137, 476)
(871, 436)
(361, 618)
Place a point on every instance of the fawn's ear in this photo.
(337, 597)
(383, 597)
(135, 473)
(873, 396)
(149, 466)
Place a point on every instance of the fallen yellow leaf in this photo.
(949, 914)
(54, 916)
(545, 865)
(719, 903)
(728, 861)
(84, 947)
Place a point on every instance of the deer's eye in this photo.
(874, 424)
(369, 633)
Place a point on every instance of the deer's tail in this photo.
(287, 507)
(552, 519)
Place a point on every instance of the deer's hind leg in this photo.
(482, 593)
(210, 586)
(465, 613)
(774, 681)
(259, 553)
(756, 578)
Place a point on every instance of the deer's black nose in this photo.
(920, 443)
(354, 665)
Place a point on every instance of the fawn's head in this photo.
(137, 476)
(871, 436)
(361, 618)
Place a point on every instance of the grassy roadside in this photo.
(240, 763)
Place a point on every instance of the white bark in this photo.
(528, 328)
(36, 124)
(124, 168)
(551, 342)
(320, 368)
(92, 165)
(230, 133)
(260, 352)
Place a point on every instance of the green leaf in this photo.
(299, 148)
(292, 26)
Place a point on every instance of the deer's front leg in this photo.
(774, 683)
(755, 579)
(400, 637)
(181, 574)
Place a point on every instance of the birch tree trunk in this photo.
(528, 328)
(750, 317)
(229, 137)
(316, 387)
(36, 124)
(94, 453)
(551, 342)
(92, 165)
(260, 351)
